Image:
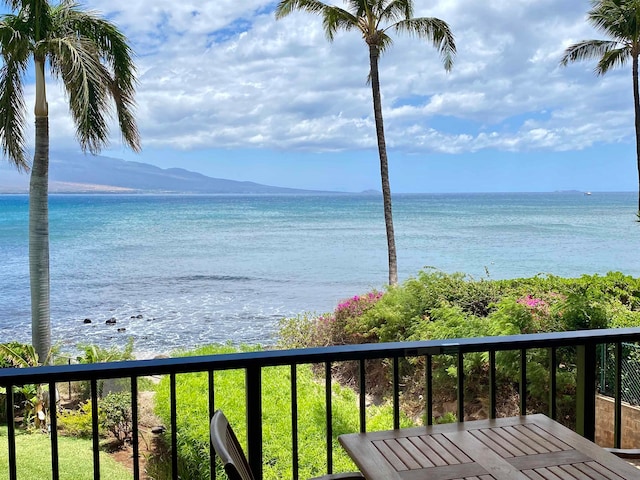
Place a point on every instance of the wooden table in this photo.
(532, 447)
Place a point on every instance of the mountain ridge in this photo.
(79, 173)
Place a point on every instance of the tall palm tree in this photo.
(375, 19)
(619, 20)
(93, 60)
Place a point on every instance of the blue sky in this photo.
(228, 91)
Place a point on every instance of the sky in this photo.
(226, 90)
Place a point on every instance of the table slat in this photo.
(530, 447)
(541, 440)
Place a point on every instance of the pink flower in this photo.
(357, 305)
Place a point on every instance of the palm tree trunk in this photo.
(636, 105)
(374, 54)
(39, 226)
(39, 242)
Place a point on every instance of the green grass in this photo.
(75, 458)
(193, 418)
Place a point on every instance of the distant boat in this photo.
(587, 193)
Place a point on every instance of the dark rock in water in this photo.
(122, 329)
(86, 320)
(134, 317)
(139, 316)
(159, 429)
(111, 321)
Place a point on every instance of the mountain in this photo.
(77, 173)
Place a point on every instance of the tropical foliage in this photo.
(375, 20)
(620, 21)
(435, 305)
(94, 63)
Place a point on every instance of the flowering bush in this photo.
(531, 302)
(354, 307)
(546, 313)
(334, 328)
(435, 305)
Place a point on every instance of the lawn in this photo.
(75, 458)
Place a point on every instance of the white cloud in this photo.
(226, 74)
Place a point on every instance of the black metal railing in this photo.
(253, 363)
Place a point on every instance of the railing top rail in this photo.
(267, 358)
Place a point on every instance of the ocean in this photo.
(177, 271)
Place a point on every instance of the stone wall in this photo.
(605, 421)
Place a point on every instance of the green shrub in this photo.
(300, 331)
(436, 305)
(97, 354)
(115, 411)
(114, 418)
(77, 423)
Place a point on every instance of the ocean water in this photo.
(209, 269)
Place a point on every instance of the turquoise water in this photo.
(204, 269)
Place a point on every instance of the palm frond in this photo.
(613, 58)
(335, 19)
(434, 30)
(286, 7)
(587, 49)
(360, 7)
(15, 50)
(37, 13)
(76, 61)
(21, 4)
(12, 114)
(118, 56)
(397, 10)
(384, 42)
(19, 355)
(125, 107)
(108, 61)
(618, 19)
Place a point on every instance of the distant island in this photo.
(78, 173)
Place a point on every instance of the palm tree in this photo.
(92, 58)
(619, 20)
(375, 19)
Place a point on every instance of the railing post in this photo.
(95, 436)
(53, 430)
(522, 388)
(212, 409)
(586, 390)
(460, 400)
(11, 432)
(134, 428)
(173, 402)
(328, 416)
(362, 385)
(254, 419)
(492, 384)
(553, 380)
(617, 417)
(294, 422)
(396, 393)
(428, 388)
